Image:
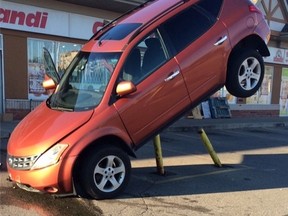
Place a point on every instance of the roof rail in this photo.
(154, 19)
(121, 16)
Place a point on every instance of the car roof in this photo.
(140, 17)
(151, 10)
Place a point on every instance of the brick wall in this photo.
(248, 110)
(254, 113)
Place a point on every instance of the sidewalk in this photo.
(6, 128)
(188, 124)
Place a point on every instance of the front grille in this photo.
(21, 163)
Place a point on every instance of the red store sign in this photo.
(41, 20)
(36, 20)
(277, 56)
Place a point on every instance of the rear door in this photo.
(161, 93)
(201, 47)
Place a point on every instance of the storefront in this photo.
(25, 31)
(271, 98)
(279, 61)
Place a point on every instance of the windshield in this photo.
(84, 82)
(119, 31)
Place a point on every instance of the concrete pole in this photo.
(158, 155)
(209, 147)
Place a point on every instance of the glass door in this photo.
(1, 77)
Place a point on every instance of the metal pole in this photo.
(158, 155)
(209, 147)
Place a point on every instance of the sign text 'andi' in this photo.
(36, 19)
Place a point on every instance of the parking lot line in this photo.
(180, 177)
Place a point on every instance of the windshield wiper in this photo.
(62, 108)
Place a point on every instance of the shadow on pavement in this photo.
(270, 172)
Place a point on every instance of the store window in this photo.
(223, 92)
(284, 93)
(263, 95)
(62, 54)
(1, 77)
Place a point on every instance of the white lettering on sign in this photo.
(37, 19)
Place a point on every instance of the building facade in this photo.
(28, 27)
(62, 28)
(272, 98)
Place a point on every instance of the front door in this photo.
(161, 93)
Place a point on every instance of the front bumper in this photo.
(56, 179)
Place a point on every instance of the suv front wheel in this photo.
(105, 172)
(245, 73)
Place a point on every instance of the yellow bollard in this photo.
(158, 155)
(209, 147)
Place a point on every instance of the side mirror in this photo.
(125, 87)
(49, 84)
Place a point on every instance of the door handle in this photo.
(221, 40)
(172, 75)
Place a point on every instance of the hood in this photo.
(42, 128)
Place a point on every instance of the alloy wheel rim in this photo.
(249, 73)
(109, 173)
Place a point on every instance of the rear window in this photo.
(119, 31)
(187, 26)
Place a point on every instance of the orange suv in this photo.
(134, 77)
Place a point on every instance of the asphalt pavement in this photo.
(252, 181)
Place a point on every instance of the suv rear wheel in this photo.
(105, 172)
(245, 73)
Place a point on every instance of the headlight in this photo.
(50, 157)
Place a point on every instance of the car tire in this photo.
(105, 172)
(245, 73)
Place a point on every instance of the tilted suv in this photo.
(133, 78)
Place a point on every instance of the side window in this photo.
(149, 54)
(186, 27)
(211, 7)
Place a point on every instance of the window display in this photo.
(263, 95)
(62, 54)
(284, 93)
(1, 77)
